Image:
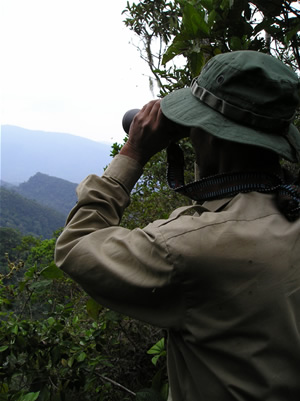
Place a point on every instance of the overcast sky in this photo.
(68, 66)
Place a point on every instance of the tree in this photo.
(177, 38)
(10, 238)
(197, 30)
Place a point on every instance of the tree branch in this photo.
(105, 378)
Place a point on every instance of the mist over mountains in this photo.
(26, 152)
(39, 175)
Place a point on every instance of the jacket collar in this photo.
(216, 205)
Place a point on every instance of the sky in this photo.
(69, 66)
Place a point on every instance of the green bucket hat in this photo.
(243, 96)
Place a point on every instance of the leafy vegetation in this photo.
(10, 238)
(190, 32)
(57, 344)
(176, 38)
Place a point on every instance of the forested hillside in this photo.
(53, 192)
(28, 216)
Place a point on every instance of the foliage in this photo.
(10, 238)
(196, 30)
(176, 38)
(58, 344)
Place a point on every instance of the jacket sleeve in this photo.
(126, 270)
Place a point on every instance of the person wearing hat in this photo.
(221, 275)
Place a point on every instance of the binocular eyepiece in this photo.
(127, 119)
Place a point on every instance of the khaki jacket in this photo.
(225, 282)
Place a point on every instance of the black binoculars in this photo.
(127, 119)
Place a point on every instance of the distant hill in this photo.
(28, 216)
(6, 184)
(53, 192)
(25, 152)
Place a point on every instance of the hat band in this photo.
(245, 117)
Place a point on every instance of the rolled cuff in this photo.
(124, 170)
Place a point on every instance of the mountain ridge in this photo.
(55, 193)
(26, 152)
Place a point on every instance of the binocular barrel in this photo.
(127, 119)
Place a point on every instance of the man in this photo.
(225, 280)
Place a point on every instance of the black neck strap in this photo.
(230, 184)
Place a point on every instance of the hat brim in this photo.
(185, 109)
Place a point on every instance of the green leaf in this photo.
(212, 17)
(64, 362)
(193, 21)
(81, 357)
(93, 308)
(51, 321)
(226, 4)
(55, 355)
(175, 49)
(52, 272)
(71, 361)
(197, 62)
(3, 389)
(208, 4)
(15, 329)
(29, 397)
(155, 359)
(3, 348)
(165, 391)
(291, 33)
(75, 320)
(158, 350)
(158, 347)
(235, 43)
(40, 285)
(22, 285)
(217, 50)
(157, 379)
(30, 272)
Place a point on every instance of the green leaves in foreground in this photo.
(57, 344)
(158, 350)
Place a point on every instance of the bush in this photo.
(58, 344)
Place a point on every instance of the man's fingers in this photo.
(149, 116)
